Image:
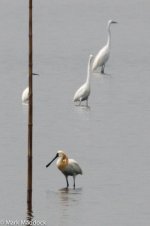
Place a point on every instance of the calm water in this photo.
(110, 139)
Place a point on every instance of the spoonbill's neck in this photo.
(62, 158)
(62, 162)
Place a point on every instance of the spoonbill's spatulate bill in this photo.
(82, 94)
(103, 55)
(69, 167)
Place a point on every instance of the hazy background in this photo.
(110, 140)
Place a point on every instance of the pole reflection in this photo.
(29, 213)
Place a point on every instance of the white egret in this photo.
(103, 55)
(69, 167)
(83, 92)
(25, 94)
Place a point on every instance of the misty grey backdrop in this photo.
(110, 139)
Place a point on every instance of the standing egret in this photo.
(25, 94)
(103, 55)
(69, 167)
(84, 91)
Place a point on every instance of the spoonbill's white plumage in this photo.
(103, 55)
(69, 167)
(83, 92)
(25, 94)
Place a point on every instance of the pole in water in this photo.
(30, 110)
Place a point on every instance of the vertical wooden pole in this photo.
(30, 109)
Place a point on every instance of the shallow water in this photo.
(110, 139)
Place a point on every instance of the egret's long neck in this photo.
(109, 36)
(88, 72)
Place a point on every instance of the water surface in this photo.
(110, 139)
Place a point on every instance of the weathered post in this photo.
(30, 110)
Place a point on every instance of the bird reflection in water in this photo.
(69, 199)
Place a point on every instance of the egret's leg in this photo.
(87, 103)
(67, 181)
(102, 69)
(74, 181)
(80, 102)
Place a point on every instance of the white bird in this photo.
(103, 55)
(25, 94)
(69, 167)
(84, 91)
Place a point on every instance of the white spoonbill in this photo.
(84, 91)
(69, 167)
(25, 94)
(103, 55)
